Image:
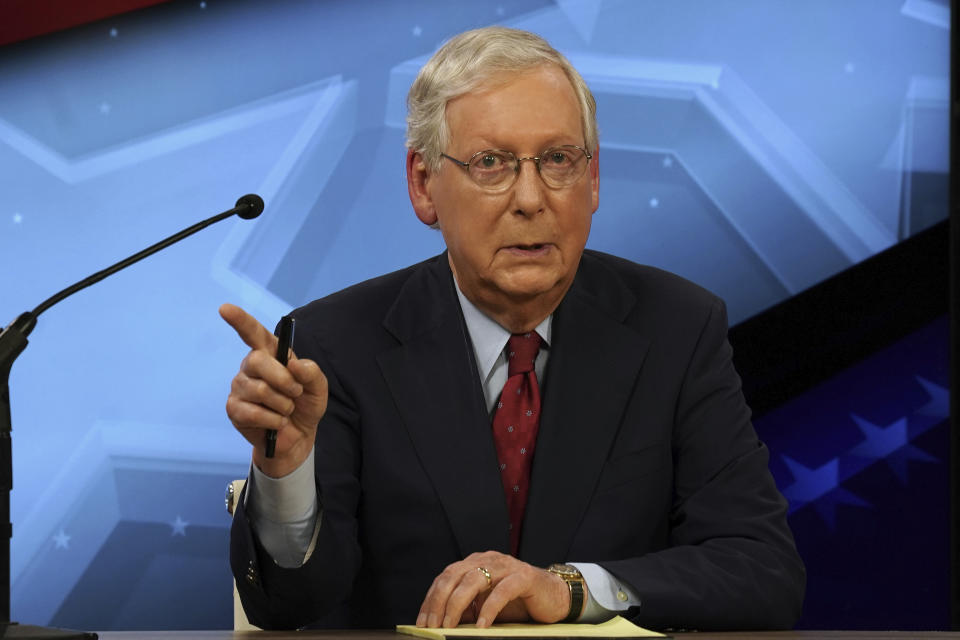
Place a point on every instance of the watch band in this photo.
(571, 575)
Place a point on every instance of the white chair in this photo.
(240, 622)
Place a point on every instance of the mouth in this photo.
(529, 250)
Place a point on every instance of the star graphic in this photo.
(654, 203)
(821, 487)
(890, 444)
(667, 162)
(114, 33)
(849, 67)
(61, 540)
(17, 218)
(880, 442)
(105, 108)
(417, 31)
(809, 484)
(939, 404)
(179, 526)
(501, 10)
(203, 5)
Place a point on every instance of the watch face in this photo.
(564, 570)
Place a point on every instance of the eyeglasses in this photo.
(497, 170)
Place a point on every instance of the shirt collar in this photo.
(488, 337)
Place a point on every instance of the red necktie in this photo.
(515, 425)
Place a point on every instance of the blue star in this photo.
(809, 484)
(819, 486)
(417, 31)
(61, 540)
(939, 404)
(17, 218)
(880, 441)
(891, 444)
(179, 527)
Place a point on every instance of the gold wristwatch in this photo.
(575, 583)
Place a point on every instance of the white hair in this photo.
(466, 62)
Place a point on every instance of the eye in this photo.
(487, 164)
(558, 157)
(490, 161)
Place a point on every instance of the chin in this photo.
(525, 288)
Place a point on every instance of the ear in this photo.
(417, 179)
(595, 178)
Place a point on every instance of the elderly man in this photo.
(517, 429)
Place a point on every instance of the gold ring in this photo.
(486, 574)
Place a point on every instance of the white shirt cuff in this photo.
(606, 596)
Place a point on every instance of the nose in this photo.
(528, 189)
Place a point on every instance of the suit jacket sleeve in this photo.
(274, 597)
(730, 559)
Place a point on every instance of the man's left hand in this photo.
(514, 592)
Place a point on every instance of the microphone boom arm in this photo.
(13, 340)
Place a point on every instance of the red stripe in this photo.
(24, 19)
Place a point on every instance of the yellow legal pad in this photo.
(616, 627)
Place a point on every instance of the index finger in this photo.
(254, 334)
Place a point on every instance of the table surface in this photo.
(385, 635)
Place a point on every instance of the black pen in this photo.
(284, 342)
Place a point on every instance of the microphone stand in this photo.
(13, 340)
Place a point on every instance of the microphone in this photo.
(13, 340)
(249, 206)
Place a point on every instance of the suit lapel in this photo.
(588, 384)
(445, 417)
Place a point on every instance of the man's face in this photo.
(521, 245)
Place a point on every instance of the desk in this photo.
(390, 635)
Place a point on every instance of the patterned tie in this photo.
(515, 425)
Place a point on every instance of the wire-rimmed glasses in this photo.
(497, 170)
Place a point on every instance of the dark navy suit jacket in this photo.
(646, 461)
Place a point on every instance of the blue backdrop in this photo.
(753, 146)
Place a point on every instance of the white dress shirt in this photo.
(286, 516)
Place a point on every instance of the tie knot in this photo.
(522, 351)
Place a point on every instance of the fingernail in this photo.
(432, 620)
(421, 619)
(296, 390)
(447, 622)
(481, 621)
